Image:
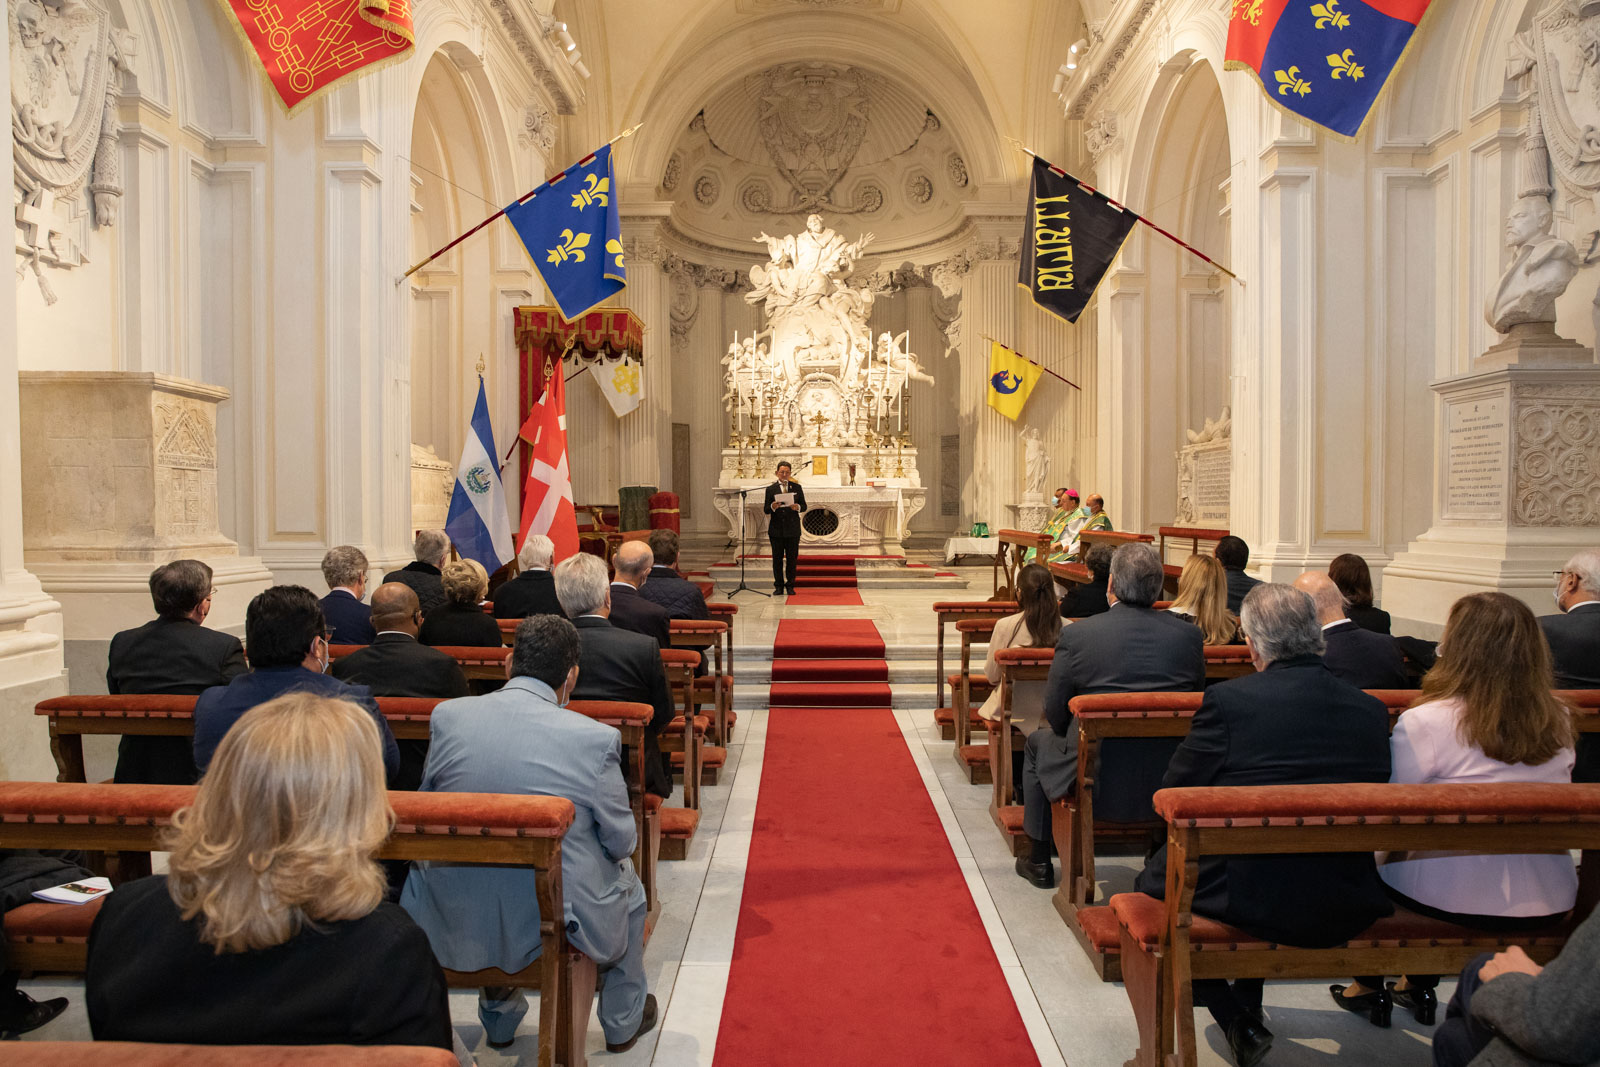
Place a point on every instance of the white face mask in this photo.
(324, 659)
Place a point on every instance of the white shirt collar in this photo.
(1580, 605)
(1330, 625)
(401, 632)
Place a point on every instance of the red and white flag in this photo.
(547, 489)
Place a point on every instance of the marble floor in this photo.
(1071, 1016)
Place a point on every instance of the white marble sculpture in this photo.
(1035, 465)
(1217, 429)
(814, 373)
(1541, 268)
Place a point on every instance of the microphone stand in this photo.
(743, 586)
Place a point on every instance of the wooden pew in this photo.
(1114, 538)
(629, 718)
(969, 689)
(1194, 535)
(500, 829)
(685, 738)
(1165, 945)
(476, 662)
(1227, 661)
(715, 687)
(1010, 554)
(143, 1054)
(954, 611)
(1016, 665)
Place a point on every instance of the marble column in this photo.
(989, 478)
(645, 432)
(31, 665)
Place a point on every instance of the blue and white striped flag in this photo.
(479, 524)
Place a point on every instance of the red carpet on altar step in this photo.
(858, 942)
(805, 596)
(827, 639)
(829, 670)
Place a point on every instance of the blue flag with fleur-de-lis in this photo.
(571, 228)
(1324, 61)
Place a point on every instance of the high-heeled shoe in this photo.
(1422, 1003)
(1377, 1007)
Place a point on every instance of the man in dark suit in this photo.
(616, 664)
(1234, 555)
(783, 531)
(423, 575)
(396, 665)
(1574, 638)
(1132, 648)
(349, 620)
(1291, 723)
(665, 586)
(288, 641)
(1365, 659)
(173, 654)
(1082, 601)
(629, 610)
(533, 590)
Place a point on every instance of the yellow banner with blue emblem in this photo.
(1011, 380)
(571, 227)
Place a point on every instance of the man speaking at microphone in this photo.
(784, 501)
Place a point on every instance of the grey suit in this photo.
(518, 740)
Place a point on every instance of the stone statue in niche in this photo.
(1035, 465)
(1542, 266)
(66, 59)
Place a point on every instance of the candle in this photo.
(900, 415)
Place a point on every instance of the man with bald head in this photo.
(629, 610)
(1364, 659)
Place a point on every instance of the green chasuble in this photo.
(1101, 521)
(1053, 529)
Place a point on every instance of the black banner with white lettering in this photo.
(1070, 237)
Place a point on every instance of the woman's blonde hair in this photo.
(465, 581)
(1203, 593)
(284, 826)
(1493, 659)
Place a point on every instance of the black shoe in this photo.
(23, 1013)
(1377, 1007)
(1041, 875)
(791, 590)
(1249, 1041)
(1422, 1003)
(646, 1024)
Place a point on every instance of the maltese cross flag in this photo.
(547, 490)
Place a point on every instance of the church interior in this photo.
(1322, 346)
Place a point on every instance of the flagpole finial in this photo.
(481, 365)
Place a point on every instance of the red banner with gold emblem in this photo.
(306, 46)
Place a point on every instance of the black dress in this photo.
(460, 624)
(368, 981)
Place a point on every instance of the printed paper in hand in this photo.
(785, 499)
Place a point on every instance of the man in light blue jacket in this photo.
(522, 740)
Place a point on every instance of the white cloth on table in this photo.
(970, 546)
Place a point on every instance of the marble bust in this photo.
(1542, 265)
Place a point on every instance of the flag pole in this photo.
(429, 259)
(571, 343)
(1035, 362)
(1180, 242)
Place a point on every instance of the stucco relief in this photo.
(186, 436)
(1102, 134)
(1557, 479)
(538, 129)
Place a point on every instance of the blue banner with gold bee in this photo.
(1327, 61)
(571, 228)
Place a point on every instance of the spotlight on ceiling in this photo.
(1078, 46)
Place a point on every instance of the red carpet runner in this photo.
(858, 941)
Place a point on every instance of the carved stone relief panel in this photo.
(1557, 455)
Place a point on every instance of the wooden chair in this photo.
(714, 688)
(724, 613)
(684, 739)
(1010, 554)
(630, 719)
(499, 829)
(1016, 665)
(954, 611)
(969, 692)
(1165, 945)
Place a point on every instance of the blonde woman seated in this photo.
(1203, 600)
(1486, 714)
(461, 620)
(270, 927)
(1037, 625)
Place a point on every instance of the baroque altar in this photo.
(815, 388)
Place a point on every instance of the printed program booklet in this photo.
(79, 892)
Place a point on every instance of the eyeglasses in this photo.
(327, 635)
(1558, 575)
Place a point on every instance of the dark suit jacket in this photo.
(1292, 724)
(1364, 659)
(1124, 650)
(1574, 639)
(616, 664)
(529, 593)
(1239, 583)
(1369, 618)
(218, 708)
(397, 665)
(424, 580)
(460, 624)
(174, 656)
(680, 597)
(348, 618)
(630, 611)
(785, 522)
(1083, 601)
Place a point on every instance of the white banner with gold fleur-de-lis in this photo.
(572, 229)
(622, 383)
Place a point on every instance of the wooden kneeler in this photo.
(969, 692)
(1016, 665)
(953, 611)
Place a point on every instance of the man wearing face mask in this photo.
(286, 641)
(1574, 638)
(519, 739)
